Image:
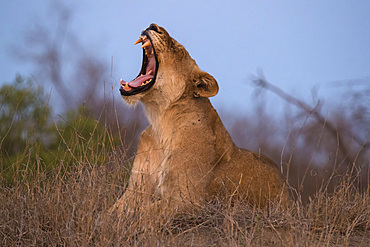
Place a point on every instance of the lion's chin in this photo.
(132, 100)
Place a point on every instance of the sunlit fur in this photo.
(186, 157)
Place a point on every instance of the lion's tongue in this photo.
(139, 80)
(149, 74)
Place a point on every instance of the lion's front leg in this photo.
(144, 176)
(186, 176)
(135, 193)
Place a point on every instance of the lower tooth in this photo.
(144, 83)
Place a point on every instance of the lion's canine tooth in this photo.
(149, 81)
(137, 41)
(147, 43)
(127, 88)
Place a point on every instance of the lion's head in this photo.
(167, 73)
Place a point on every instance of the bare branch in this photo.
(333, 130)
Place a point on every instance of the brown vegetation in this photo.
(68, 204)
(59, 208)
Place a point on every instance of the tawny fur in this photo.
(186, 157)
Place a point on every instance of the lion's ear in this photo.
(204, 85)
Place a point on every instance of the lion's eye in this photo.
(154, 27)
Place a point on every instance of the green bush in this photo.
(32, 142)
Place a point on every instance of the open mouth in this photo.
(148, 72)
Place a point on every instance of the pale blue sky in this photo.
(298, 44)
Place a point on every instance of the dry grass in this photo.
(69, 209)
(65, 203)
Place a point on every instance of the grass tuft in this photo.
(69, 207)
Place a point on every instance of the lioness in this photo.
(186, 157)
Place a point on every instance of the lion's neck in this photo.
(153, 112)
(165, 121)
(158, 102)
